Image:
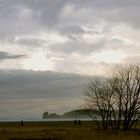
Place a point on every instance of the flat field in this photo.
(63, 130)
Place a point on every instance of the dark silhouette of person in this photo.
(75, 122)
(79, 122)
(21, 122)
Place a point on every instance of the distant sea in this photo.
(71, 119)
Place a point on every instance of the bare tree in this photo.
(117, 98)
(129, 93)
(99, 98)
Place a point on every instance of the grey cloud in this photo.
(130, 15)
(46, 13)
(112, 11)
(5, 55)
(116, 11)
(72, 29)
(30, 42)
(81, 46)
(78, 46)
(105, 4)
(27, 94)
(27, 17)
(49, 10)
(117, 40)
(40, 85)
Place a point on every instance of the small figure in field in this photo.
(22, 123)
(79, 122)
(75, 122)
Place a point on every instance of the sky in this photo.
(49, 49)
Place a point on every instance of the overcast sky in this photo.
(83, 37)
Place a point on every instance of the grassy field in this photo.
(61, 131)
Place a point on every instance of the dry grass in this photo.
(61, 131)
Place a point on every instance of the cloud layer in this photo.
(76, 28)
(28, 94)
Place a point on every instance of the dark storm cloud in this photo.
(5, 55)
(40, 85)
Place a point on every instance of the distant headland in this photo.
(74, 114)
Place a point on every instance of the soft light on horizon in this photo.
(110, 56)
